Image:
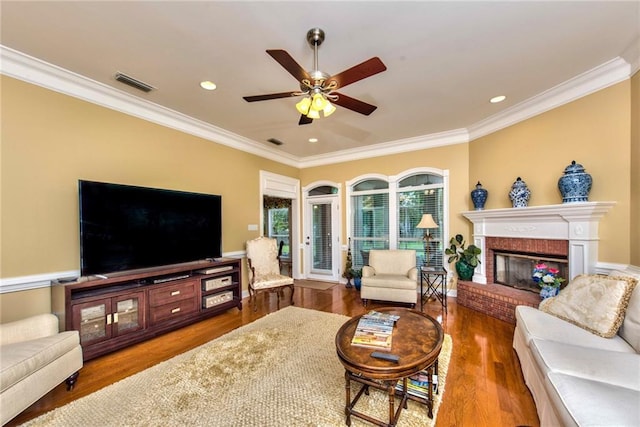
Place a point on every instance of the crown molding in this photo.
(598, 78)
(457, 136)
(33, 70)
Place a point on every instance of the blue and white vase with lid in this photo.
(479, 197)
(575, 184)
(519, 194)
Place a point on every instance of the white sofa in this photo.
(390, 276)
(34, 359)
(575, 376)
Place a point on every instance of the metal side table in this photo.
(433, 283)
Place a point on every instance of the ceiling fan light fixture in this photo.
(313, 114)
(329, 109)
(319, 102)
(303, 105)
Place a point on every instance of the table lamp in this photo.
(426, 222)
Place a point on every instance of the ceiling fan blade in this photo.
(304, 120)
(268, 96)
(354, 104)
(358, 72)
(289, 64)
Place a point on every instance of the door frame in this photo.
(336, 229)
(285, 187)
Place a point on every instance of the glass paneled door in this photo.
(322, 239)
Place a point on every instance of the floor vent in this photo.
(128, 80)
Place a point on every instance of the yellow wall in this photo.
(594, 131)
(635, 170)
(49, 141)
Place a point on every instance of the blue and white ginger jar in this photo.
(519, 194)
(479, 197)
(575, 184)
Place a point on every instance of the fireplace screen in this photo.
(515, 270)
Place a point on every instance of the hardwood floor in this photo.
(484, 384)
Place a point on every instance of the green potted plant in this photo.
(347, 268)
(466, 258)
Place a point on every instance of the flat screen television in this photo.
(125, 227)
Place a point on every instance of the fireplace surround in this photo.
(568, 229)
(568, 232)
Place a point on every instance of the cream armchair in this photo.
(390, 276)
(34, 359)
(264, 269)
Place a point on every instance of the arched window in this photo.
(369, 219)
(417, 195)
(384, 212)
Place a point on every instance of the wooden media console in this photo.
(126, 308)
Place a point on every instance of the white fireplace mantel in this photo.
(575, 222)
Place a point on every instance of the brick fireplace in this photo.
(568, 231)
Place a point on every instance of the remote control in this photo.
(385, 356)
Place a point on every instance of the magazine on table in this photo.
(374, 330)
(418, 385)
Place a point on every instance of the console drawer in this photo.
(173, 311)
(171, 293)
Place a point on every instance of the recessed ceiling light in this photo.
(313, 139)
(208, 85)
(497, 99)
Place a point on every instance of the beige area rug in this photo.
(281, 370)
(314, 284)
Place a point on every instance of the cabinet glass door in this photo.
(128, 316)
(93, 320)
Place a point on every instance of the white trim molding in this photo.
(38, 72)
(44, 280)
(35, 71)
(575, 222)
(36, 281)
(598, 78)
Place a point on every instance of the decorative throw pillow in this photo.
(593, 302)
(630, 329)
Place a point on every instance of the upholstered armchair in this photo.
(390, 276)
(264, 269)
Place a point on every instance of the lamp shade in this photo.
(329, 109)
(303, 105)
(313, 114)
(319, 102)
(427, 222)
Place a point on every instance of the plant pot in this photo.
(464, 270)
(548, 292)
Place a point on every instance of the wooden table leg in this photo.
(347, 408)
(391, 389)
(430, 391)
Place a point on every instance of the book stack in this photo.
(418, 385)
(375, 330)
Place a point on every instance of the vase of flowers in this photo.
(548, 280)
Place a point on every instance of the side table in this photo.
(433, 283)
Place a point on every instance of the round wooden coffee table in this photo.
(417, 340)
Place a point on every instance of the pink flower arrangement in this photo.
(546, 276)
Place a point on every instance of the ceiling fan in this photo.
(319, 88)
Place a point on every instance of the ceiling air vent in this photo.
(128, 80)
(274, 141)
